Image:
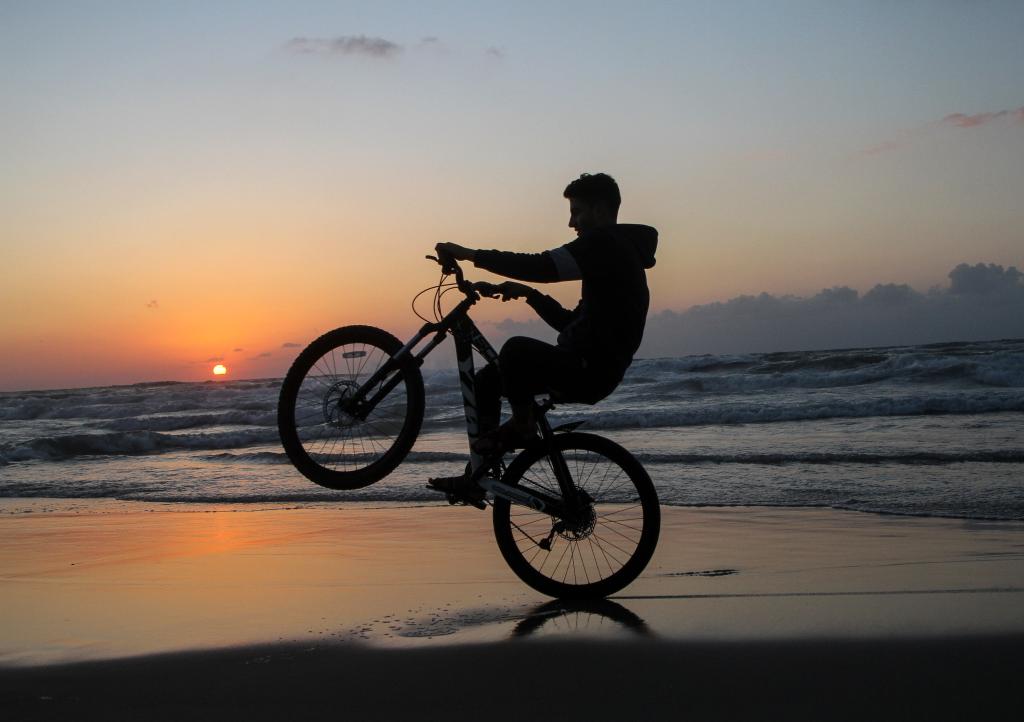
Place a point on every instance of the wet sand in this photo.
(116, 609)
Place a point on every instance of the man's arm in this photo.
(546, 307)
(551, 311)
(547, 267)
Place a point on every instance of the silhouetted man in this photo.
(596, 339)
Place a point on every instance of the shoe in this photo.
(501, 440)
(460, 490)
(461, 484)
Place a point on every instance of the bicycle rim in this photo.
(601, 553)
(328, 444)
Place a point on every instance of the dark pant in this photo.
(527, 367)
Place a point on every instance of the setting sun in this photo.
(220, 370)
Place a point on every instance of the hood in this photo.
(643, 238)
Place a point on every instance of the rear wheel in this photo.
(613, 537)
(325, 434)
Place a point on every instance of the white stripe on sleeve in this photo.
(565, 264)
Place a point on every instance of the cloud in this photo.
(982, 279)
(344, 45)
(953, 120)
(237, 350)
(214, 358)
(153, 304)
(265, 354)
(983, 301)
(960, 120)
(291, 344)
(494, 52)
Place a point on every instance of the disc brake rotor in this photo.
(335, 413)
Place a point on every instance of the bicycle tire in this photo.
(334, 449)
(585, 563)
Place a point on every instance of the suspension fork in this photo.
(360, 406)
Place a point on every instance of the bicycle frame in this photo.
(467, 337)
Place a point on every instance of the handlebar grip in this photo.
(446, 261)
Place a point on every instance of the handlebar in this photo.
(450, 266)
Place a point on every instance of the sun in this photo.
(220, 370)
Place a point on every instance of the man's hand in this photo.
(507, 290)
(454, 250)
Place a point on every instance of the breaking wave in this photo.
(60, 448)
(753, 412)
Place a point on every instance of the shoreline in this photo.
(12, 506)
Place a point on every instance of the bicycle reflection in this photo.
(600, 617)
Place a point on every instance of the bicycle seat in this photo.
(554, 397)
(547, 401)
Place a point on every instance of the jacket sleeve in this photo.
(534, 267)
(550, 310)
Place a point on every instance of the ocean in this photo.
(935, 430)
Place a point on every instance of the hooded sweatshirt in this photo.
(607, 325)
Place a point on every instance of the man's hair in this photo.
(596, 188)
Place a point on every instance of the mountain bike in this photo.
(575, 515)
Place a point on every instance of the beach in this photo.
(113, 609)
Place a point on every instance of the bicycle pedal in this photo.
(455, 500)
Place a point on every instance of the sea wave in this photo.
(191, 421)
(1001, 456)
(123, 402)
(919, 371)
(765, 373)
(963, 367)
(129, 443)
(751, 411)
(275, 457)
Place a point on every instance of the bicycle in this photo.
(575, 515)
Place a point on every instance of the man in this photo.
(596, 340)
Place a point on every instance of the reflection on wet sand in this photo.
(599, 617)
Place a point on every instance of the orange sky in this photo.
(260, 195)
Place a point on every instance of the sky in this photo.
(192, 183)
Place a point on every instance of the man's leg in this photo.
(530, 367)
(487, 387)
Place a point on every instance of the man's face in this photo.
(585, 216)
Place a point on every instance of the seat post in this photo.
(570, 495)
(541, 409)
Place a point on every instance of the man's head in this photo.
(593, 202)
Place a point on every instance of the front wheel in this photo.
(328, 435)
(613, 537)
